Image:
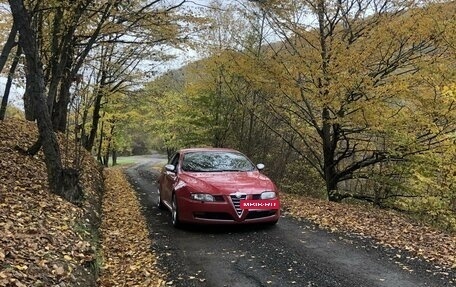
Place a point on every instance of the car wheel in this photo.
(160, 204)
(175, 212)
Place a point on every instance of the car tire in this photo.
(175, 212)
(160, 204)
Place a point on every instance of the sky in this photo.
(15, 97)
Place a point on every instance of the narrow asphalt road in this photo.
(292, 253)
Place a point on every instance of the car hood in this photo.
(225, 183)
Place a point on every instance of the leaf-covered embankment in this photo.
(127, 256)
(387, 228)
(44, 240)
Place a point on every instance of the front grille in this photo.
(237, 203)
(260, 214)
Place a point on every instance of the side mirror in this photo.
(260, 166)
(170, 168)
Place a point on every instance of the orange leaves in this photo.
(387, 228)
(41, 242)
(127, 257)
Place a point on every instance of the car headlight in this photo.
(268, 195)
(202, 197)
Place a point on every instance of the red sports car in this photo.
(217, 186)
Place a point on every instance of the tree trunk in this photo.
(328, 133)
(96, 114)
(61, 181)
(9, 83)
(108, 148)
(114, 157)
(59, 116)
(10, 42)
(169, 153)
(35, 148)
(330, 139)
(106, 156)
(55, 70)
(100, 145)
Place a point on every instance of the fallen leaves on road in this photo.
(43, 239)
(127, 256)
(387, 228)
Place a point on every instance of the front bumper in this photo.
(222, 212)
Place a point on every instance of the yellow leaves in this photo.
(127, 258)
(21, 267)
(422, 178)
(67, 257)
(449, 92)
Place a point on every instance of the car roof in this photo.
(203, 149)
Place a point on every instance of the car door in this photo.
(170, 179)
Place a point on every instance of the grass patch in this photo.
(126, 160)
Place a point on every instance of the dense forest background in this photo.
(345, 100)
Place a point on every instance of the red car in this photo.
(217, 186)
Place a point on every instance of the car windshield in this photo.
(216, 161)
